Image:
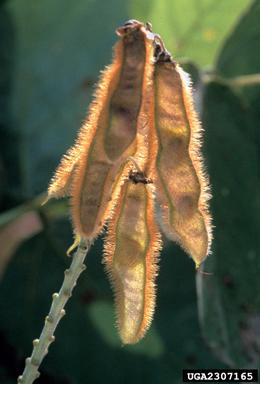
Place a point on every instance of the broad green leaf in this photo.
(240, 53)
(193, 29)
(229, 299)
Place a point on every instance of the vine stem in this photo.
(41, 345)
(236, 82)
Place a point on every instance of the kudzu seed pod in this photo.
(60, 185)
(131, 252)
(181, 183)
(93, 170)
(133, 241)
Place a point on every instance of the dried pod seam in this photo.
(181, 183)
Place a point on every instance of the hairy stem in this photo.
(41, 345)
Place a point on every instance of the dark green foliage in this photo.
(50, 57)
(229, 300)
(240, 52)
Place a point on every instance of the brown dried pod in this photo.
(133, 241)
(93, 169)
(181, 183)
(131, 253)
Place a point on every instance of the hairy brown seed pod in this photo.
(131, 252)
(141, 139)
(181, 183)
(93, 170)
(133, 240)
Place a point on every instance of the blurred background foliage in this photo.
(50, 57)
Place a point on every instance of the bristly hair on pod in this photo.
(94, 169)
(195, 152)
(61, 182)
(141, 140)
(181, 183)
(131, 254)
(133, 241)
(118, 122)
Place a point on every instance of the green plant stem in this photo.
(41, 345)
(236, 82)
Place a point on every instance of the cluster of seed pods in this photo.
(139, 144)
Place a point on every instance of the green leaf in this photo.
(240, 53)
(229, 299)
(190, 29)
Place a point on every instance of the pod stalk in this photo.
(59, 300)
